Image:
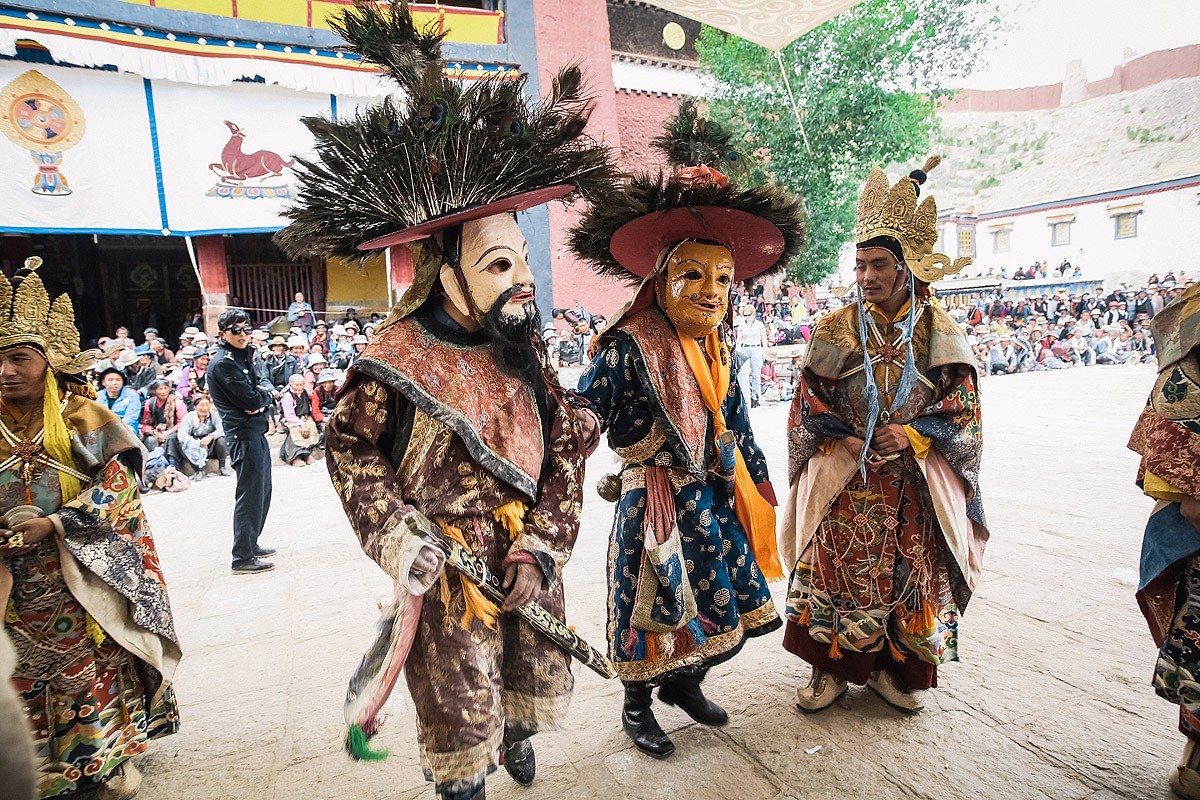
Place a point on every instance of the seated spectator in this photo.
(193, 379)
(360, 343)
(326, 391)
(301, 414)
(201, 437)
(1003, 357)
(1111, 350)
(316, 363)
(161, 416)
(320, 334)
(1079, 351)
(143, 371)
(119, 397)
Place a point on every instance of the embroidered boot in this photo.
(1185, 778)
(820, 692)
(121, 784)
(685, 693)
(639, 722)
(518, 759)
(894, 694)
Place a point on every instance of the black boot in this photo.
(685, 693)
(639, 722)
(474, 793)
(518, 760)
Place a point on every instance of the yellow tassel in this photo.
(57, 440)
(94, 631)
(477, 606)
(928, 619)
(806, 614)
(897, 655)
(512, 517)
(835, 651)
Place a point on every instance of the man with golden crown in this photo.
(452, 417)
(693, 544)
(1167, 437)
(85, 601)
(884, 527)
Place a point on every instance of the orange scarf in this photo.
(753, 511)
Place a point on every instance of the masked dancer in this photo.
(452, 413)
(693, 544)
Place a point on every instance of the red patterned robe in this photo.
(87, 610)
(883, 564)
(428, 422)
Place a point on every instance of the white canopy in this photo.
(774, 24)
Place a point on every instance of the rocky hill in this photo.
(998, 161)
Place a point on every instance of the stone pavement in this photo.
(1051, 700)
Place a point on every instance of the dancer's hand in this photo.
(32, 531)
(1190, 508)
(890, 439)
(523, 583)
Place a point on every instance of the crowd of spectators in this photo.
(1061, 330)
(159, 389)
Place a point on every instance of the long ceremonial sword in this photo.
(543, 621)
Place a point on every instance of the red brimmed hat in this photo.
(625, 232)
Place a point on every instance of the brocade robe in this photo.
(883, 565)
(88, 611)
(428, 422)
(650, 405)
(1168, 438)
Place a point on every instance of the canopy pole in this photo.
(792, 97)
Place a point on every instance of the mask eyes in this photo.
(724, 280)
(693, 275)
(499, 266)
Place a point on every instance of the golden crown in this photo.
(27, 317)
(886, 210)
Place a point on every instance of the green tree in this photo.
(866, 83)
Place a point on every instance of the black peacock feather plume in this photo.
(446, 146)
(689, 140)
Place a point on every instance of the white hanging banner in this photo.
(228, 152)
(76, 152)
(93, 151)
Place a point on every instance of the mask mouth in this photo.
(708, 306)
(521, 297)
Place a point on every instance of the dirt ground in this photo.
(1051, 700)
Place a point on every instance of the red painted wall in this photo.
(1147, 70)
(570, 32)
(641, 116)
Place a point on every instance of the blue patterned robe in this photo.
(650, 405)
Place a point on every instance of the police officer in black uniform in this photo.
(235, 385)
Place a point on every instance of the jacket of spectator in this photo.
(127, 405)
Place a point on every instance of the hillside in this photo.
(997, 161)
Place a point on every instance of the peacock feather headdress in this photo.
(447, 152)
(624, 231)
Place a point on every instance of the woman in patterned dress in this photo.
(85, 602)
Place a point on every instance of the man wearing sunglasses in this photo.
(233, 383)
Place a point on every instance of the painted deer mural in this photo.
(236, 166)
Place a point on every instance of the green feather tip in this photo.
(358, 747)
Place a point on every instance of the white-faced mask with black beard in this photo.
(495, 262)
(495, 268)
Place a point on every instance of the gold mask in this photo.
(495, 258)
(693, 287)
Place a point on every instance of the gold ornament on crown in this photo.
(28, 317)
(886, 210)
